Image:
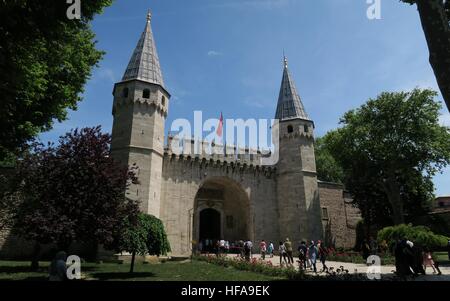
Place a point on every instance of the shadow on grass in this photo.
(27, 269)
(122, 275)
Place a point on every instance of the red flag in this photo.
(220, 126)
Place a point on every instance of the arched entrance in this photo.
(210, 225)
(221, 211)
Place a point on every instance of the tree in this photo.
(389, 149)
(72, 192)
(420, 235)
(435, 18)
(45, 60)
(144, 235)
(328, 169)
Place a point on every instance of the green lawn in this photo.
(169, 271)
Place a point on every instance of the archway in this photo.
(210, 225)
(221, 211)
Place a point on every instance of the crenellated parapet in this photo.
(208, 154)
(144, 105)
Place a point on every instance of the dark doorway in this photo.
(209, 224)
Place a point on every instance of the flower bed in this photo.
(254, 265)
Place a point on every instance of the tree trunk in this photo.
(133, 255)
(436, 27)
(392, 190)
(35, 258)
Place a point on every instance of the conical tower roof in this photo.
(289, 102)
(144, 63)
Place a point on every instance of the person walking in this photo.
(282, 251)
(302, 253)
(428, 261)
(322, 255)
(289, 251)
(263, 249)
(227, 247)
(248, 249)
(313, 252)
(58, 268)
(270, 249)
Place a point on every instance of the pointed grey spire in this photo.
(144, 63)
(289, 103)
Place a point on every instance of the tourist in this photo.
(270, 249)
(283, 254)
(365, 249)
(227, 247)
(428, 261)
(248, 249)
(289, 251)
(313, 252)
(417, 265)
(241, 248)
(58, 269)
(322, 255)
(263, 249)
(302, 252)
(200, 247)
(221, 247)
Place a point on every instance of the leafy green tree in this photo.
(45, 61)
(435, 18)
(328, 169)
(389, 149)
(71, 192)
(144, 235)
(420, 235)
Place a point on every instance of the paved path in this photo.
(387, 271)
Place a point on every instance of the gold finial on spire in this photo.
(149, 16)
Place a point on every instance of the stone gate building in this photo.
(229, 195)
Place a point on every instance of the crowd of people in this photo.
(308, 254)
(410, 259)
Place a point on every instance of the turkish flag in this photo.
(220, 126)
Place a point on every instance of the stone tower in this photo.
(140, 110)
(297, 189)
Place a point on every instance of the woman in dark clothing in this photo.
(365, 250)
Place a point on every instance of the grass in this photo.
(442, 257)
(169, 271)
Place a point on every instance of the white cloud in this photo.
(106, 74)
(212, 53)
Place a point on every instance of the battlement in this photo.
(201, 149)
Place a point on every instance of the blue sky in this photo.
(226, 55)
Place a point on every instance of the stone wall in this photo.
(339, 217)
(184, 176)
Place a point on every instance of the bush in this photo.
(420, 235)
(257, 266)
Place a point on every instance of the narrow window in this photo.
(324, 213)
(290, 129)
(125, 92)
(306, 129)
(163, 101)
(146, 93)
